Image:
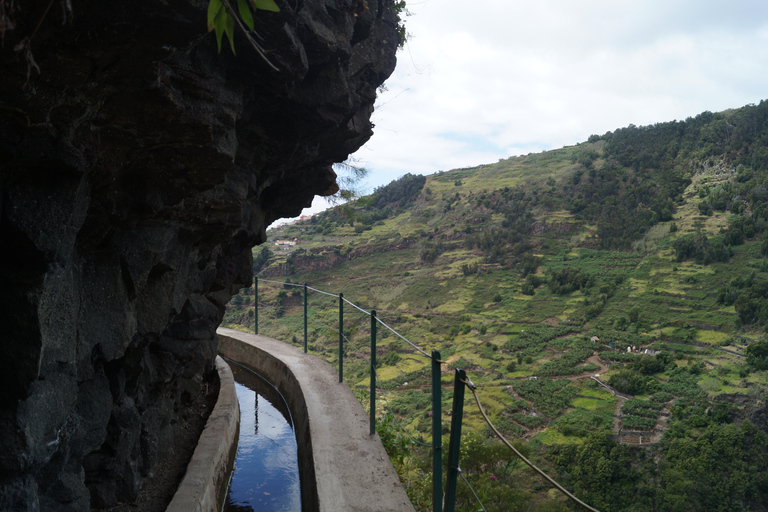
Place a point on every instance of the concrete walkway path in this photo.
(342, 467)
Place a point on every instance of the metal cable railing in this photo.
(461, 382)
(378, 383)
(376, 386)
(461, 474)
(473, 388)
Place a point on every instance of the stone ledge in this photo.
(204, 486)
(341, 466)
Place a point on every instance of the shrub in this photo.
(460, 363)
(567, 280)
(528, 289)
(430, 251)
(391, 359)
(699, 248)
(396, 442)
(648, 365)
(757, 355)
(628, 381)
(529, 263)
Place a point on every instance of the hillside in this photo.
(647, 237)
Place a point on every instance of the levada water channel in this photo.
(266, 474)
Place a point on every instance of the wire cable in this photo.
(376, 374)
(284, 283)
(327, 326)
(381, 389)
(461, 474)
(403, 338)
(386, 402)
(357, 307)
(394, 417)
(324, 293)
(471, 386)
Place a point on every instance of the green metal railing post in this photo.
(437, 434)
(305, 318)
(373, 371)
(255, 305)
(341, 337)
(455, 442)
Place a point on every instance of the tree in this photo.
(261, 259)
(350, 178)
(757, 355)
(628, 381)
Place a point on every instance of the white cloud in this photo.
(484, 80)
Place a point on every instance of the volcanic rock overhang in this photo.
(137, 169)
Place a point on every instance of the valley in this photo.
(608, 299)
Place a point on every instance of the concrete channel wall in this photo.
(204, 486)
(341, 466)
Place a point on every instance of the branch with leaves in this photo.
(222, 19)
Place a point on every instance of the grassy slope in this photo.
(675, 300)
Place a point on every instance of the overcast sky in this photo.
(483, 80)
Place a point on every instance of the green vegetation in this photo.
(640, 256)
(222, 22)
(549, 396)
(641, 414)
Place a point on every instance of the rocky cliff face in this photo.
(321, 258)
(137, 169)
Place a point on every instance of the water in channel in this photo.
(266, 475)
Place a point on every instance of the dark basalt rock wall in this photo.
(137, 169)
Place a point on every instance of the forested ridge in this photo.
(640, 255)
(647, 168)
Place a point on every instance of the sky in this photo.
(483, 80)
